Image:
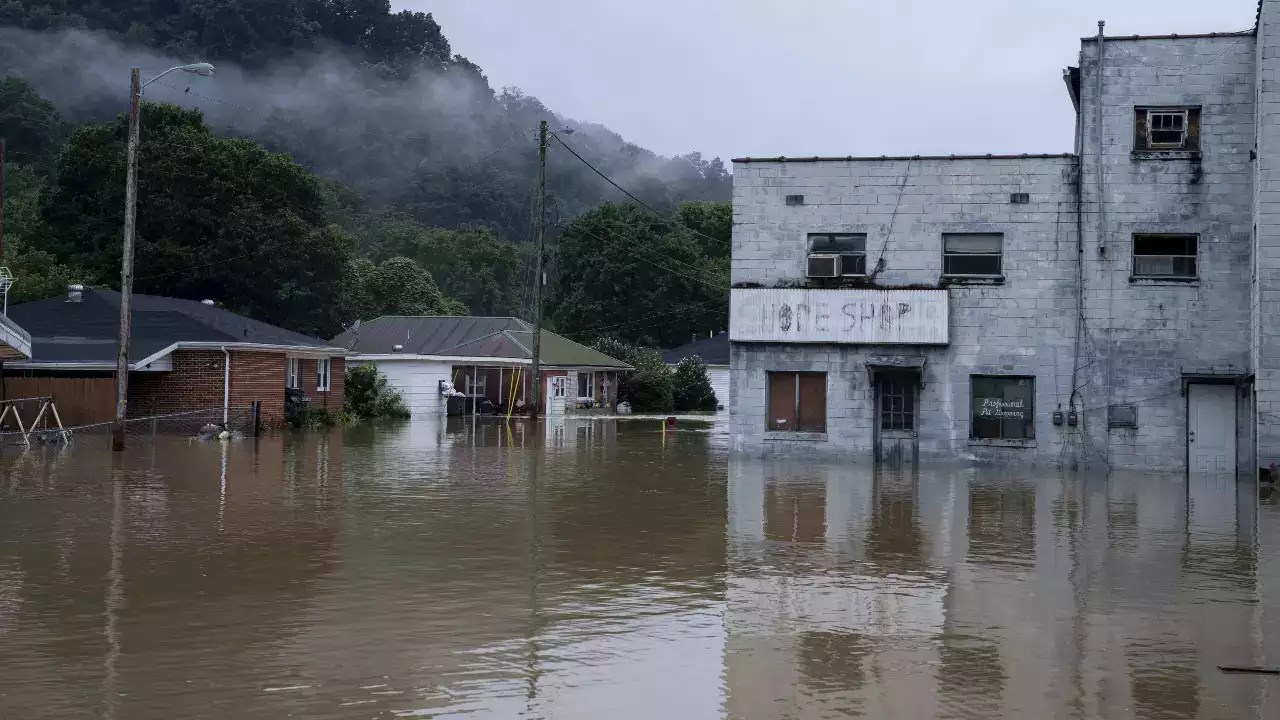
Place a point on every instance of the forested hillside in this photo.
(342, 162)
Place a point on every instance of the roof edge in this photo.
(870, 158)
(1173, 36)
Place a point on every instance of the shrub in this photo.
(368, 396)
(647, 388)
(692, 386)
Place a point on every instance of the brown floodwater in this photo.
(604, 570)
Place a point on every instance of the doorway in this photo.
(897, 414)
(1211, 428)
(555, 398)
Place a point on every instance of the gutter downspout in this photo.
(1102, 231)
(226, 387)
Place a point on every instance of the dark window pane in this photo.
(853, 264)
(831, 243)
(972, 243)
(1002, 407)
(1164, 244)
(1167, 137)
(971, 265)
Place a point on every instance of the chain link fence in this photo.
(193, 423)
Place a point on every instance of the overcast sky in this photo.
(809, 77)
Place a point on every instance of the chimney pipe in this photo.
(75, 293)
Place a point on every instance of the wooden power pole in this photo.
(126, 263)
(539, 230)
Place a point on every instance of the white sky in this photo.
(809, 77)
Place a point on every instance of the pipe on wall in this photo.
(226, 386)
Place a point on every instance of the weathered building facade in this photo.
(1118, 305)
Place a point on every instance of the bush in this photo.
(369, 397)
(647, 388)
(692, 386)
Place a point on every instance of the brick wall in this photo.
(259, 376)
(333, 399)
(194, 383)
(1264, 298)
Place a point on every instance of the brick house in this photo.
(184, 355)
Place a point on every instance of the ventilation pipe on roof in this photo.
(75, 293)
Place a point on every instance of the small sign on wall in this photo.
(849, 316)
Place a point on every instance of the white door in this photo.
(1211, 428)
(555, 397)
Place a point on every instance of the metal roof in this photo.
(712, 350)
(87, 332)
(468, 337)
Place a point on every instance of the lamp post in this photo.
(126, 262)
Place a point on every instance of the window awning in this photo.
(896, 363)
(1237, 378)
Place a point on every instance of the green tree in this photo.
(397, 286)
(471, 265)
(29, 124)
(37, 273)
(641, 275)
(647, 388)
(692, 386)
(217, 218)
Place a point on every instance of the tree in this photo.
(647, 388)
(692, 386)
(29, 124)
(37, 274)
(642, 275)
(397, 286)
(221, 219)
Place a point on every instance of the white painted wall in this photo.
(719, 376)
(417, 380)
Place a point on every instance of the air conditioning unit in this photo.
(823, 266)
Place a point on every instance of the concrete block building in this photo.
(1118, 305)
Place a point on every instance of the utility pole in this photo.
(1, 198)
(539, 228)
(126, 263)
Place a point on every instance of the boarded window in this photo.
(1170, 257)
(851, 249)
(1003, 407)
(972, 254)
(1166, 128)
(797, 402)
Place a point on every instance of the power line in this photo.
(680, 309)
(626, 192)
(660, 266)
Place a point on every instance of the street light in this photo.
(126, 260)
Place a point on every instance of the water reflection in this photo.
(615, 569)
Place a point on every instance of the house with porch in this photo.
(451, 365)
(183, 355)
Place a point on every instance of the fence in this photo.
(85, 401)
(194, 423)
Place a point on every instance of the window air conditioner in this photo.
(823, 266)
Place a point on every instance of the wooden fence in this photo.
(80, 401)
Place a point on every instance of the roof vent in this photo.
(210, 303)
(75, 293)
(397, 348)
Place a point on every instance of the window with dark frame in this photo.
(586, 385)
(1166, 128)
(1165, 256)
(1002, 407)
(850, 247)
(972, 255)
(797, 402)
(898, 401)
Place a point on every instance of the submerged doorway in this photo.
(1211, 428)
(897, 413)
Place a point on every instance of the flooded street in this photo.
(609, 571)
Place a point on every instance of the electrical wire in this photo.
(626, 192)
(717, 286)
(880, 264)
(1190, 68)
(679, 309)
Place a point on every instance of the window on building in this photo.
(477, 382)
(797, 402)
(292, 379)
(1165, 257)
(1166, 128)
(586, 385)
(972, 254)
(898, 401)
(850, 248)
(322, 375)
(1003, 407)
